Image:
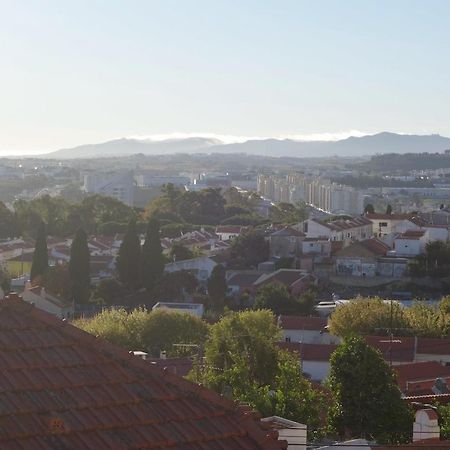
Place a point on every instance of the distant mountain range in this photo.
(353, 146)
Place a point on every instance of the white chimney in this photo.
(426, 425)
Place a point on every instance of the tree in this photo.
(8, 228)
(217, 287)
(367, 316)
(5, 280)
(152, 257)
(151, 331)
(276, 297)
(389, 209)
(39, 264)
(79, 268)
(249, 249)
(288, 213)
(367, 400)
(57, 281)
(108, 291)
(242, 360)
(163, 329)
(369, 209)
(129, 259)
(174, 285)
(179, 252)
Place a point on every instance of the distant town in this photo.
(318, 264)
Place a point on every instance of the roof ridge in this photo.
(255, 431)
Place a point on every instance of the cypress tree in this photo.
(129, 259)
(152, 257)
(39, 265)
(217, 287)
(79, 268)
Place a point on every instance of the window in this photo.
(288, 339)
(382, 224)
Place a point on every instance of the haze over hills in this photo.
(384, 142)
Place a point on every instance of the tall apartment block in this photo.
(319, 192)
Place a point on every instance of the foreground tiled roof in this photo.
(61, 388)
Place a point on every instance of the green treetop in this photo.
(217, 287)
(367, 400)
(39, 265)
(79, 268)
(152, 257)
(129, 258)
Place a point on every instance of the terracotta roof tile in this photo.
(408, 373)
(63, 388)
(302, 323)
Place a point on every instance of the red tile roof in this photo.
(402, 347)
(414, 372)
(377, 216)
(302, 323)
(431, 346)
(63, 388)
(309, 352)
(340, 224)
(411, 235)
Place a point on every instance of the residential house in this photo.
(386, 224)
(297, 281)
(42, 299)
(314, 358)
(240, 282)
(347, 231)
(201, 267)
(306, 330)
(286, 242)
(360, 258)
(420, 377)
(411, 243)
(228, 232)
(65, 388)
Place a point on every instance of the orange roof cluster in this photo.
(416, 377)
(63, 388)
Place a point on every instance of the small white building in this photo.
(294, 433)
(306, 330)
(228, 232)
(351, 230)
(201, 267)
(48, 302)
(410, 243)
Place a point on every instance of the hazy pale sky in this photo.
(74, 72)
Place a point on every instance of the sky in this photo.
(86, 71)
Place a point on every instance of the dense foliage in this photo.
(39, 265)
(375, 316)
(129, 259)
(152, 257)
(152, 332)
(367, 400)
(244, 362)
(277, 298)
(79, 268)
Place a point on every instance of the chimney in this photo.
(426, 425)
